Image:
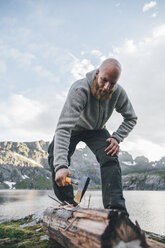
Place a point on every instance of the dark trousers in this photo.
(112, 192)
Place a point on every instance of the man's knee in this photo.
(103, 158)
(108, 160)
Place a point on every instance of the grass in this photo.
(24, 237)
(38, 182)
(160, 173)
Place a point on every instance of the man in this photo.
(89, 105)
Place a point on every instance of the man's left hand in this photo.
(113, 148)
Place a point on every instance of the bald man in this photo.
(89, 105)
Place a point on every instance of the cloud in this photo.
(159, 33)
(23, 58)
(44, 73)
(24, 119)
(143, 78)
(18, 110)
(19, 117)
(154, 14)
(98, 54)
(153, 152)
(79, 67)
(128, 47)
(149, 5)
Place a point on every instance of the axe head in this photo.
(82, 187)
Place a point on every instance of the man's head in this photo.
(106, 78)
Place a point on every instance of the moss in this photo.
(24, 237)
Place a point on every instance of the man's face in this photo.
(105, 82)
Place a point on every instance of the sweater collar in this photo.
(91, 76)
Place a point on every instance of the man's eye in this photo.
(105, 80)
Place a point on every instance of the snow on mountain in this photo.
(28, 159)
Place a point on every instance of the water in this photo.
(147, 207)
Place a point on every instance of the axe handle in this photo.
(71, 181)
(85, 187)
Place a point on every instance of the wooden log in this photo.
(92, 228)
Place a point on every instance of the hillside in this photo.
(24, 165)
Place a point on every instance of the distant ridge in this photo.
(22, 162)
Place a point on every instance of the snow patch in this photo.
(24, 176)
(129, 162)
(10, 184)
(28, 159)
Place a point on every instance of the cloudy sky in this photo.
(46, 45)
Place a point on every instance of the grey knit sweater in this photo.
(83, 111)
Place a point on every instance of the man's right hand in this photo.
(61, 175)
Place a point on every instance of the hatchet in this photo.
(82, 187)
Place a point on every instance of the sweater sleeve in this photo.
(75, 103)
(124, 107)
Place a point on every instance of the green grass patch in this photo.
(38, 182)
(24, 237)
(160, 173)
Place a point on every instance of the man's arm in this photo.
(124, 107)
(75, 103)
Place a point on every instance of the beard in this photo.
(99, 93)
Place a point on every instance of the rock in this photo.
(44, 237)
(143, 182)
(154, 182)
(38, 216)
(33, 223)
(141, 160)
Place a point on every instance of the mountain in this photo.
(25, 165)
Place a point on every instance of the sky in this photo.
(46, 45)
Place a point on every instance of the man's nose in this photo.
(107, 86)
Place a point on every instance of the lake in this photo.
(147, 207)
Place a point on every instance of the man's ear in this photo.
(97, 72)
